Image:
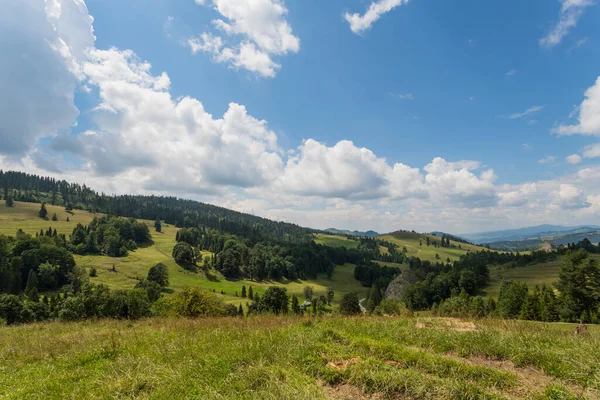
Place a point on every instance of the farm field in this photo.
(135, 266)
(535, 274)
(272, 357)
(415, 243)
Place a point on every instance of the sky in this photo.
(459, 116)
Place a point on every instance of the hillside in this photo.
(534, 274)
(293, 358)
(416, 245)
(135, 266)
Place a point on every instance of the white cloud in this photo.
(547, 160)
(589, 115)
(264, 33)
(361, 23)
(403, 96)
(570, 197)
(573, 159)
(511, 72)
(41, 46)
(570, 13)
(531, 110)
(592, 150)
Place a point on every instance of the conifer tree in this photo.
(244, 291)
(241, 311)
(43, 212)
(250, 293)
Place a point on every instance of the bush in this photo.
(392, 307)
(194, 303)
(152, 288)
(350, 304)
(159, 273)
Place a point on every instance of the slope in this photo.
(416, 246)
(135, 266)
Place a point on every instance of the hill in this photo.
(534, 274)
(294, 358)
(533, 232)
(416, 246)
(335, 231)
(136, 264)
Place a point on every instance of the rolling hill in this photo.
(416, 245)
(134, 266)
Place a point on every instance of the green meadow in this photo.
(136, 265)
(272, 357)
(416, 245)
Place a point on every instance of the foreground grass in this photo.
(293, 358)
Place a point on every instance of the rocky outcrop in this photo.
(398, 286)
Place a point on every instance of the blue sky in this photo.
(381, 115)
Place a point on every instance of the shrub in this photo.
(350, 304)
(193, 302)
(392, 307)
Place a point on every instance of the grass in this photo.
(335, 241)
(534, 274)
(416, 246)
(25, 216)
(136, 265)
(295, 358)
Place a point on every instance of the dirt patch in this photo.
(454, 324)
(342, 365)
(530, 381)
(349, 392)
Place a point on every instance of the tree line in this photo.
(25, 187)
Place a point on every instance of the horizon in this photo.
(379, 115)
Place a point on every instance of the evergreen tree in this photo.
(54, 217)
(295, 305)
(10, 202)
(244, 291)
(43, 212)
(250, 293)
(32, 282)
(330, 295)
(308, 292)
(241, 311)
(512, 297)
(158, 225)
(579, 279)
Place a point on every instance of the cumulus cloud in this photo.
(589, 115)
(39, 69)
(573, 159)
(264, 33)
(570, 197)
(570, 13)
(592, 150)
(361, 23)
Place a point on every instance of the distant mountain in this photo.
(528, 244)
(335, 231)
(532, 233)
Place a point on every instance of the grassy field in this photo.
(294, 358)
(335, 241)
(136, 265)
(535, 274)
(416, 245)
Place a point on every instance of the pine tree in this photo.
(295, 305)
(10, 202)
(250, 293)
(54, 217)
(244, 291)
(158, 225)
(330, 295)
(43, 212)
(241, 311)
(32, 282)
